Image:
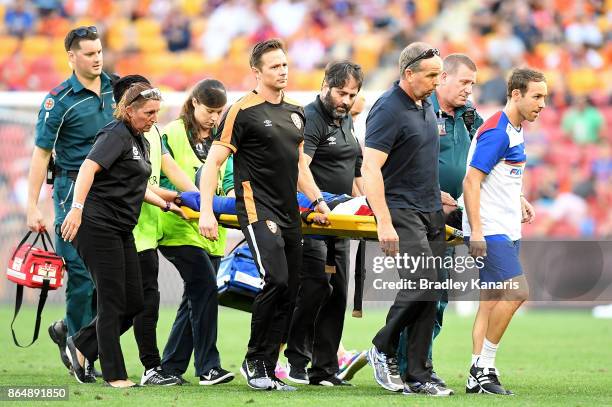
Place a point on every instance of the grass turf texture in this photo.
(548, 358)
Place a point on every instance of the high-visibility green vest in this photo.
(148, 229)
(177, 231)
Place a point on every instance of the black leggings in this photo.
(194, 330)
(111, 258)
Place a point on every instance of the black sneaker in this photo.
(158, 377)
(95, 371)
(58, 333)
(330, 382)
(488, 381)
(180, 378)
(81, 373)
(297, 374)
(434, 389)
(386, 370)
(411, 389)
(256, 375)
(216, 375)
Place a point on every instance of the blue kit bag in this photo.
(238, 280)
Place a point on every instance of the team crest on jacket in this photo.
(272, 226)
(49, 103)
(296, 120)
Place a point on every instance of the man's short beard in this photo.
(328, 103)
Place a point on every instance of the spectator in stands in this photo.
(505, 48)
(524, 28)
(287, 16)
(18, 21)
(219, 33)
(584, 31)
(46, 7)
(493, 91)
(583, 122)
(177, 31)
(306, 51)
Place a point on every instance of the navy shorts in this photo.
(502, 261)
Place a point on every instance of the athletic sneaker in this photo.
(280, 371)
(158, 377)
(330, 382)
(82, 373)
(58, 331)
(216, 375)
(281, 385)
(437, 379)
(386, 370)
(180, 378)
(256, 375)
(297, 374)
(350, 363)
(428, 389)
(485, 380)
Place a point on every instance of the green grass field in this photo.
(547, 358)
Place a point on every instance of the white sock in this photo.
(487, 355)
(474, 358)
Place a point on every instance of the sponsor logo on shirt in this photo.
(517, 172)
(135, 153)
(267, 123)
(332, 140)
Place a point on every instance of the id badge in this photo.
(441, 122)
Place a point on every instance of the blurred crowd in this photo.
(175, 43)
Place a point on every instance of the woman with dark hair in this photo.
(108, 195)
(188, 140)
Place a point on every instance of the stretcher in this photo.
(340, 225)
(357, 227)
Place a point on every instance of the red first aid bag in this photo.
(34, 267)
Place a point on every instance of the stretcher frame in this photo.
(346, 226)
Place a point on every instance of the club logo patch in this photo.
(49, 103)
(296, 120)
(272, 226)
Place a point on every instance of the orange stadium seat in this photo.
(9, 45)
(147, 27)
(158, 63)
(198, 25)
(191, 62)
(192, 8)
(582, 81)
(35, 46)
(367, 51)
(117, 33)
(156, 43)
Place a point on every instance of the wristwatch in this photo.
(317, 201)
